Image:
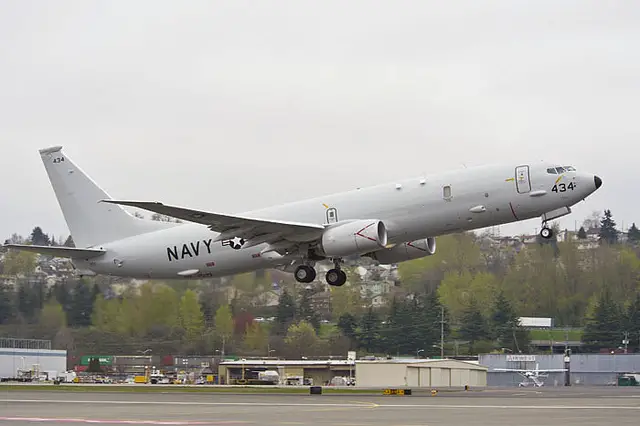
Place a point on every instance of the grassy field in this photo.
(557, 335)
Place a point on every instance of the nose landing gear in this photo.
(546, 232)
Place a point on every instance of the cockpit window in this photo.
(559, 170)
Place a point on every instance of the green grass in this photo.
(557, 335)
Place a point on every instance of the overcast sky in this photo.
(235, 105)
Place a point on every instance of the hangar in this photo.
(440, 373)
(30, 358)
(317, 372)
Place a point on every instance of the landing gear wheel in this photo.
(546, 233)
(336, 277)
(305, 274)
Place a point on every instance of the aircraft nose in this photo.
(597, 181)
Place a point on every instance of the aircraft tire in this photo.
(305, 274)
(336, 277)
(546, 233)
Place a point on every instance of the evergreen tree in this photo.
(608, 232)
(39, 238)
(305, 310)
(369, 332)
(632, 319)
(285, 313)
(6, 304)
(81, 305)
(434, 319)
(398, 331)
(582, 233)
(506, 326)
(474, 326)
(69, 242)
(633, 235)
(26, 301)
(348, 324)
(604, 326)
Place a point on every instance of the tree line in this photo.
(469, 295)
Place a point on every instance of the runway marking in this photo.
(117, 422)
(192, 403)
(328, 404)
(517, 407)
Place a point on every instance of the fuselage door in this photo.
(523, 182)
(332, 215)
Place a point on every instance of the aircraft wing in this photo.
(514, 370)
(70, 252)
(254, 230)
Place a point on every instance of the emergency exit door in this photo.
(523, 183)
(332, 215)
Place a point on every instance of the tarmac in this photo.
(508, 406)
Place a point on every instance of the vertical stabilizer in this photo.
(91, 223)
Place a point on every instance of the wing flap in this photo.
(69, 252)
(230, 226)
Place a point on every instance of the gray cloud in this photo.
(231, 106)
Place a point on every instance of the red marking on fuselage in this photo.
(364, 236)
(513, 211)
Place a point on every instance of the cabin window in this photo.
(560, 170)
(552, 171)
(446, 192)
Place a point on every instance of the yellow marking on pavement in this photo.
(510, 180)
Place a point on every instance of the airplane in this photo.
(532, 377)
(389, 223)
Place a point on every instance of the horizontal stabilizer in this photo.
(70, 252)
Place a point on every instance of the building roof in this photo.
(285, 362)
(417, 363)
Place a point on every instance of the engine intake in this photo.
(353, 238)
(405, 251)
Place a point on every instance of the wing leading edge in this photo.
(255, 231)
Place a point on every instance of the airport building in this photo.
(420, 373)
(584, 369)
(30, 358)
(286, 372)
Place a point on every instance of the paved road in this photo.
(552, 406)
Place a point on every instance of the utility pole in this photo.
(441, 332)
(625, 341)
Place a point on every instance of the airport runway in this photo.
(551, 406)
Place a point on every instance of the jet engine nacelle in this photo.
(353, 238)
(405, 251)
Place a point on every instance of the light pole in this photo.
(418, 352)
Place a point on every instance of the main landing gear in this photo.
(335, 277)
(305, 274)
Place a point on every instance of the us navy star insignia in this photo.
(235, 243)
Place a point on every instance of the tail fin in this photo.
(91, 223)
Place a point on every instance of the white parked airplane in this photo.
(390, 223)
(532, 377)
